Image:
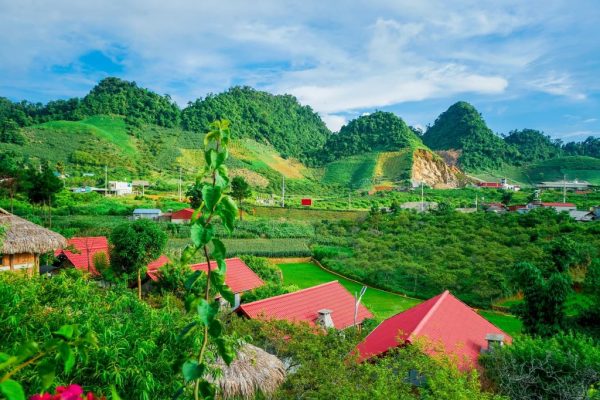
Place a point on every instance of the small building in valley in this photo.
(147, 213)
(328, 305)
(182, 216)
(565, 185)
(447, 323)
(22, 243)
(119, 188)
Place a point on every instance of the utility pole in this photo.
(476, 198)
(106, 180)
(180, 184)
(422, 198)
(349, 201)
(283, 191)
(564, 188)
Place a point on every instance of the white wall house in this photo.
(120, 188)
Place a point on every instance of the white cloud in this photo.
(559, 84)
(334, 122)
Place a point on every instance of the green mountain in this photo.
(292, 129)
(379, 131)
(462, 128)
(139, 134)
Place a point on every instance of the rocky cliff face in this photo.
(429, 168)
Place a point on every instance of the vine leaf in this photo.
(12, 390)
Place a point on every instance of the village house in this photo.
(82, 253)
(146, 213)
(182, 216)
(445, 323)
(328, 305)
(495, 207)
(419, 206)
(557, 206)
(23, 242)
(239, 277)
(119, 188)
(503, 184)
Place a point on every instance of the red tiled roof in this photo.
(86, 248)
(239, 277)
(558, 204)
(303, 306)
(442, 319)
(186, 214)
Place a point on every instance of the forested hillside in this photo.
(462, 127)
(141, 134)
(380, 131)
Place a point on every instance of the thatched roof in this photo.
(253, 371)
(21, 236)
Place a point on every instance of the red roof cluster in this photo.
(558, 205)
(86, 248)
(304, 305)
(442, 319)
(239, 277)
(185, 214)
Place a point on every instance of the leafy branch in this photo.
(62, 345)
(206, 305)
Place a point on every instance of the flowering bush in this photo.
(71, 392)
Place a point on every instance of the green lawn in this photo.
(382, 304)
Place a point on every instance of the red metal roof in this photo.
(490, 184)
(86, 248)
(185, 214)
(442, 319)
(558, 205)
(303, 306)
(239, 277)
(156, 264)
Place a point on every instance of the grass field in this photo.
(394, 165)
(355, 172)
(305, 214)
(382, 304)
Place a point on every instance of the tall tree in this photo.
(134, 245)
(43, 186)
(240, 190)
(543, 309)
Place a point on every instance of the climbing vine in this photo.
(216, 207)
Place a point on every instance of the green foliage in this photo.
(423, 254)
(533, 146)
(461, 127)
(240, 190)
(294, 130)
(354, 172)
(324, 368)
(589, 147)
(205, 306)
(543, 309)
(62, 346)
(138, 345)
(378, 131)
(264, 268)
(135, 245)
(564, 366)
(42, 186)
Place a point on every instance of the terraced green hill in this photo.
(573, 167)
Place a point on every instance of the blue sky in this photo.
(523, 64)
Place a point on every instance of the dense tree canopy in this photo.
(462, 127)
(294, 130)
(377, 131)
(589, 147)
(533, 145)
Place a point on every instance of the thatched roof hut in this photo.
(253, 371)
(23, 241)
